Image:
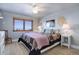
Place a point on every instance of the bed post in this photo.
(19, 39)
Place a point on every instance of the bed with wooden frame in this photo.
(36, 42)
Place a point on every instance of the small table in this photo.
(68, 43)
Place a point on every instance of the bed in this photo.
(38, 43)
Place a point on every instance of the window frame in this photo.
(14, 18)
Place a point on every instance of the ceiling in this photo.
(44, 8)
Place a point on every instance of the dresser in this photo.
(2, 42)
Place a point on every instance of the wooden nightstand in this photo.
(66, 40)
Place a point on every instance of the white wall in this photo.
(0, 24)
(72, 17)
(1, 20)
(7, 23)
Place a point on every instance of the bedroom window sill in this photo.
(22, 30)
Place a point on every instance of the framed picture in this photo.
(50, 23)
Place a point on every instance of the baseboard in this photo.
(15, 40)
(75, 47)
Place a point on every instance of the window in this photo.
(18, 25)
(22, 24)
(28, 25)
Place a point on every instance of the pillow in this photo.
(54, 36)
(50, 38)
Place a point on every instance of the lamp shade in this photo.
(66, 26)
(66, 30)
(40, 28)
(61, 20)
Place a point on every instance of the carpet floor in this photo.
(20, 49)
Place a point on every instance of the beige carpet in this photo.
(62, 51)
(19, 49)
(16, 49)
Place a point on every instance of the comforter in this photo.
(35, 39)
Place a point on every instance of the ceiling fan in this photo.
(35, 8)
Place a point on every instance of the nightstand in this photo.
(66, 40)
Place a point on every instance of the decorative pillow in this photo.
(54, 36)
(51, 38)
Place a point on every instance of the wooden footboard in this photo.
(27, 45)
(32, 52)
(43, 49)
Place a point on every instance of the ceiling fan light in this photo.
(35, 10)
